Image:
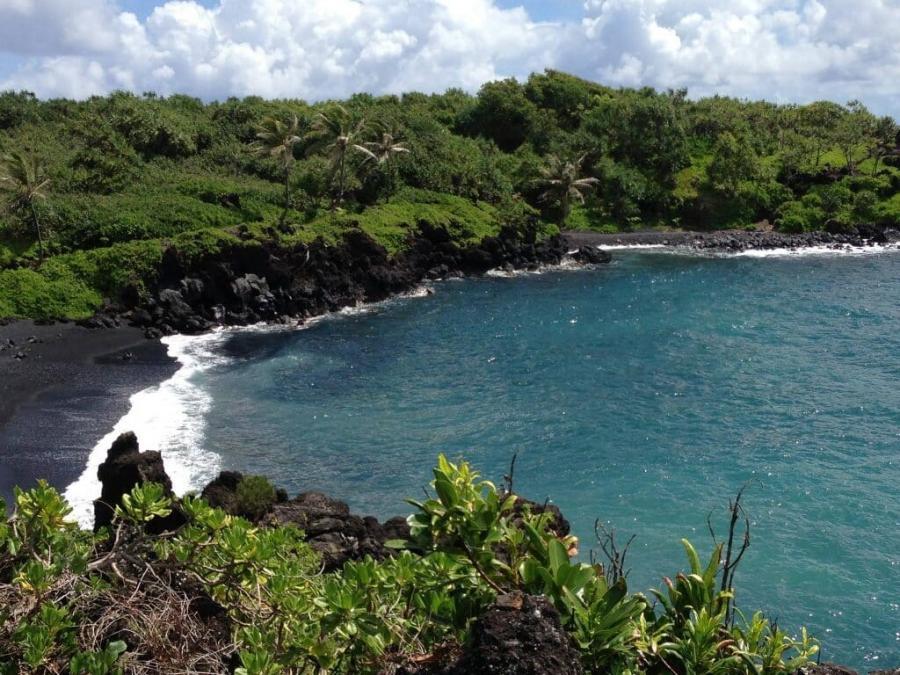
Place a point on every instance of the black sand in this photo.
(68, 391)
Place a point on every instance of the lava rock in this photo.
(519, 635)
(334, 532)
(221, 493)
(826, 668)
(125, 468)
(591, 255)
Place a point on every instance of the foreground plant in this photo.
(126, 600)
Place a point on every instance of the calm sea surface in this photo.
(644, 393)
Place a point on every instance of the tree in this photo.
(25, 178)
(644, 130)
(503, 114)
(734, 163)
(562, 182)
(276, 139)
(566, 95)
(817, 122)
(884, 141)
(337, 134)
(854, 130)
(383, 151)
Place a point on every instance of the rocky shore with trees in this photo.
(98, 194)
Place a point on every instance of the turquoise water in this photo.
(644, 393)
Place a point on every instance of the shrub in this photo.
(255, 497)
(106, 603)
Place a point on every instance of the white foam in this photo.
(805, 251)
(808, 251)
(170, 418)
(627, 247)
(566, 264)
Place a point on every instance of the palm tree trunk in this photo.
(391, 179)
(37, 229)
(287, 195)
(564, 209)
(341, 181)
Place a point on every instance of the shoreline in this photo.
(74, 386)
(734, 241)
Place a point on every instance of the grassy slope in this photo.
(73, 285)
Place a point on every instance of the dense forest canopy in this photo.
(555, 150)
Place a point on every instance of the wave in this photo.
(566, 264)
(816, 251)
(802, 252)
(630, 247)
(170, 418)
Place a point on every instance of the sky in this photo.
(780, 50)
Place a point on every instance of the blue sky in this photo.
(549, 10)
(781, 50)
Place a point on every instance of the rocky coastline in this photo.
(242, 285)
(735, 241)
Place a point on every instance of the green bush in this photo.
(255, 496)
(25, 293)
(888, 211)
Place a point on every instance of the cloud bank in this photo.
(785, 50)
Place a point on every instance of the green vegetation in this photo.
(80, 603)
(80, 177)
(255, 496)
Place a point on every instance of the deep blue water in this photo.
(644, 393)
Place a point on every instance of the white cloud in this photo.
(782, 49)
(788, 50)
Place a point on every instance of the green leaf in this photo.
(693, 558)
(709, 576)
(558, 555)
(396, 544)
(446, 491)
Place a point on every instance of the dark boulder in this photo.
(173, 305)
(125, 468)
(826, 668)
(591, 255)
(221, 493)
(519, 635)
(556, 523)
(334, 532)
(871, 233)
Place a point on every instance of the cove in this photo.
(644, 393)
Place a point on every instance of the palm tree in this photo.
(336, 134)
(276, 139)
(383, 150)
(25, 178)
(562, 182)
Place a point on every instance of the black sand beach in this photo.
(64, 392)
